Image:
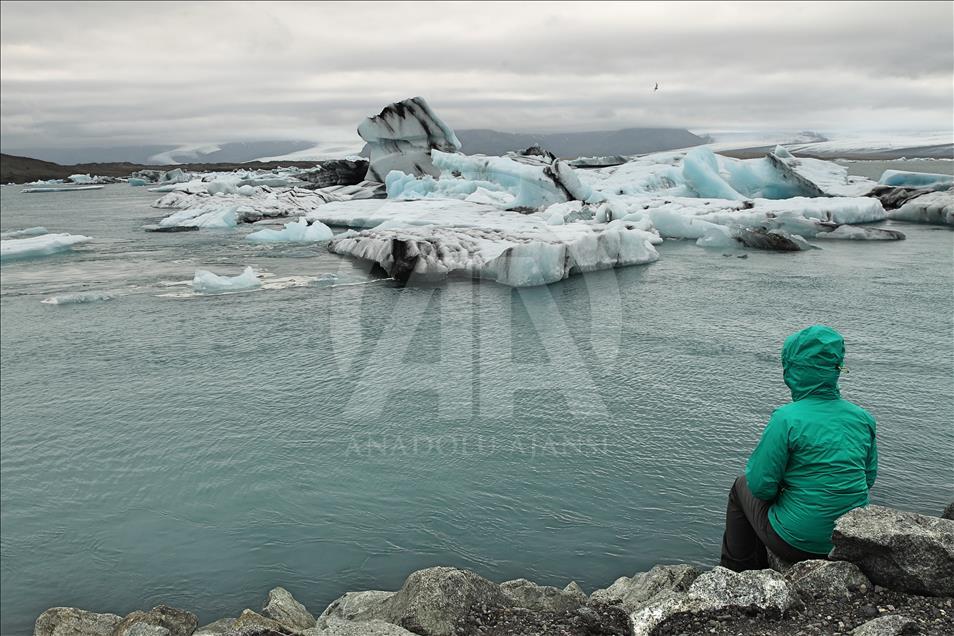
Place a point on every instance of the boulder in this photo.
(70, 621)
(178, 622)
(337, 627)
(719, 589)
(402, 136)
(948, 512)
(529, 595)
(817, 578)
(894, 625)
(216, 628)
(145, 629)
(432, 601)
(635, 592)
(573, 588)
(282, 607)
(898, 550)
(250, 622)
(356, 606)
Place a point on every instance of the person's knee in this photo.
(738, 486)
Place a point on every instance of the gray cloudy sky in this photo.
(109, 74)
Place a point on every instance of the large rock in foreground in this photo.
(432, 601)
(402, 136)
(637, 591)
(356, 606)
(757, 591)
(282, 607)
(178, 622)
(542, 598)
(70, 621)
(336, 627)
(827, 579)
(899, 550)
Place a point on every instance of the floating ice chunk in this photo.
(43, 245)
(402, 136)
(64, 188)
(79, 298)
(246, 190)
(934, 207)
(30, 231)
(674, 224)
(861, 233)
(916, 179)
(716, 236)
(775, 240)
(205, 282)
(296, 231)
(518, 259)
(136, 181)
(176, 175)
(221, 187)
(208, 216)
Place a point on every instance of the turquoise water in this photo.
(197, 451)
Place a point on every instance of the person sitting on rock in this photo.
(817, 459)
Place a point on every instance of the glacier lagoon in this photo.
(160, 446)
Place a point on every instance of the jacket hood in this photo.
(811, 362)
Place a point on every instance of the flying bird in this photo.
(656, 87)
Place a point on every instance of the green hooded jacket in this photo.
(818, 456)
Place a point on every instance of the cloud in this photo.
(173, 73)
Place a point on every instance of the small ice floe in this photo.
(205, 282)
(295, 232)
(78, 298)
(30, 231)
(42, 245)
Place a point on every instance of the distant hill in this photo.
(159, 155)
(14, 169)
(629, 141)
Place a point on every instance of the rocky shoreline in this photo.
(890, 572)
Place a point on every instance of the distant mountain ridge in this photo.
(475, 141)
(628, 141)
(159, 155)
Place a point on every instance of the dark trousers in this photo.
(748, 533)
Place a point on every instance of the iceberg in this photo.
(916, 179)
(433, 239)
(43, 245)
(205, 282)
(936, 208)
(402, 136)
(296, 231)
